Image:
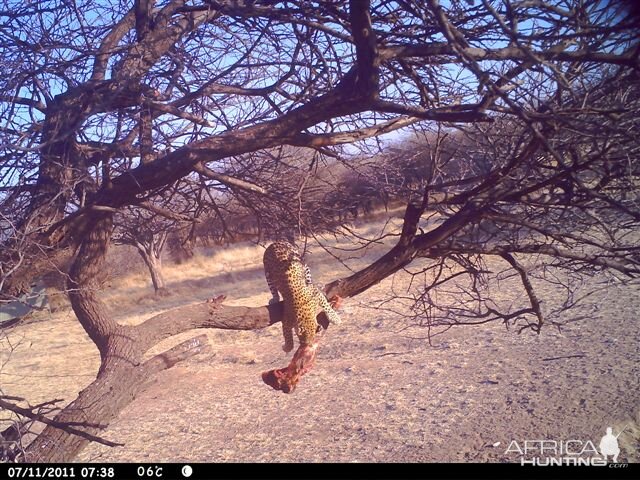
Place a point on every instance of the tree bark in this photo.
(154, 264)
(150, 249)
(99, 403)
(122, 375)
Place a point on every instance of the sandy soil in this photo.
(379, 391)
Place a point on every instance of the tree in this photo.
(109, 104)
(148, 227)
(148, 238)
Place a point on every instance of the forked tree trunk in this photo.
(122, 375)
(154, 264)
(150, 250)
(117, 352)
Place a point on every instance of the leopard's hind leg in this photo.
(275, 295)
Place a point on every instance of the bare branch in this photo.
(228, 180)
(67, 427)
(533, 298)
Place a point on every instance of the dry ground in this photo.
(379, 391)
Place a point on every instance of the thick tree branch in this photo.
(461, 113)
(164, 212)
(628, 58)
(228, 180)
(368, 62)
(206, 315)
(38, 105)
(108, 46)
(339, 138)
(171, 357)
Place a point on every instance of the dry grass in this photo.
(378, 393)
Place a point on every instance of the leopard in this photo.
(288, 275)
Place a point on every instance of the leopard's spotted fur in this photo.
(288, 275)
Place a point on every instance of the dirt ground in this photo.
(379, 391)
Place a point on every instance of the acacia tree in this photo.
(147, 226)
(108, 104)
(148, 236)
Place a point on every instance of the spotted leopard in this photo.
(287, 274)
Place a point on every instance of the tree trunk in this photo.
(151, 252)
(121, 376)
(154, 264)
(117, 351)
(155, 268)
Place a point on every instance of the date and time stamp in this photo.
(115, 471)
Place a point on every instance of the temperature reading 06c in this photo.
(150, 472)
